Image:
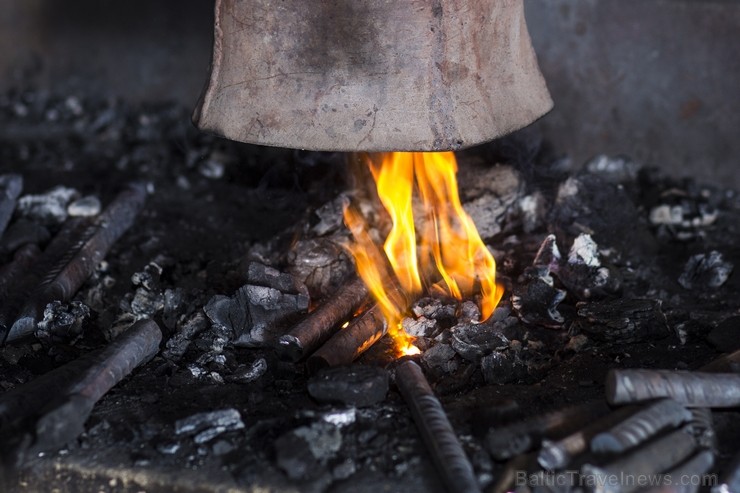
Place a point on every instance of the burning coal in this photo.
(440, 247)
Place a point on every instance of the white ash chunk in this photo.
(666, 214)
(584, 251)
(616, 169)
(419, 327)
(49, 208)
(569, 188)
(207, 426)
(331, 215)
(84, 207)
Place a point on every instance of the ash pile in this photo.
(224, 249)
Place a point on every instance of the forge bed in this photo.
(215, 206)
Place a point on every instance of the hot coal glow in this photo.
(441, 245)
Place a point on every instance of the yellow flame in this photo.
(450, 246)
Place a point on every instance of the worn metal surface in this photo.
(372, 75)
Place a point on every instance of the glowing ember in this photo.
(449, 247)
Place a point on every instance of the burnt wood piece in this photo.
(55, 256)
(624, 320)
(644, 424)
(558, 454)
(321, 323)
(522, 436)
(349, 343)
(10, 188)
(692, 389)
(654, 457)
(435, 429)
(63, 283)
(50, 411)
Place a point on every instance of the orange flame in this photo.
(450, 246)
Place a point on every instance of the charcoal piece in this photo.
(249, 373)
(473, 341)
(303, 452)
(665, 214)
(705, 271)
(535, 300)
(614, 169)
(146, 303)
(503, 367)
(173, 300)
(270, 312)
(208, 425)
(186, 331)
(355, 385)
(49, 209)
(331, 216)
(469, 312)
(440, 358)
(532, 209)
(10, 188)
(583, 273)
(149, 277)
(230, 313)
(62, 321)
(589, 203)
(623, 320)
(23, 232)
(84, 207)
(419, 327)
(261, 275)
(344, 469)
(724, 337)
(321, 264)
(488, 212)
(434, 308)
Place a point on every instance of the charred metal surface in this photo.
(435, 429)
(692, 389)
(318, 326)
(624, 320)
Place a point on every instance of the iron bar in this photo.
(522, 436)
(727, 363)
(652, 458)
(321, 323)
(349, 343)
(684, 477)
(692, 389)
(645, 423)
(54, 407)
(435, 429)
(112, 223)
(558, 454)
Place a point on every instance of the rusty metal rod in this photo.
(114, 221)
(435, 429)
(320, 324)
(652, 458)
(10, 188)
(54, 257)
(349, 343)
(558, 454)
(727, 363)
(54, 407)
(692, 389)
(522, 436)
(645, 423)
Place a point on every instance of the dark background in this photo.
(655, 79)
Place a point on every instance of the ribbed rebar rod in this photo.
(435, 429)
(645, 423)
(54, 407)
(350, 342)
(321, 323)
(692, 389)
(62, 285)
